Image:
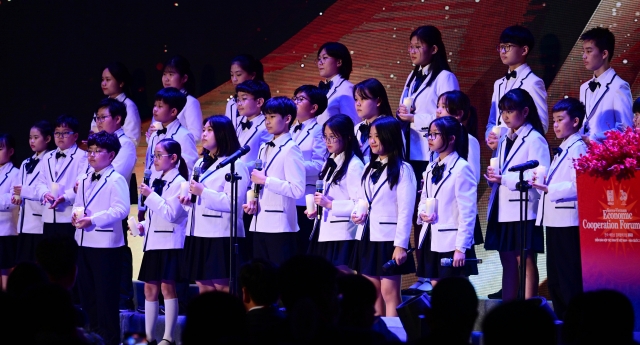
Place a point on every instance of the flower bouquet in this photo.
(617, 156)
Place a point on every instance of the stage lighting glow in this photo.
(302, 65)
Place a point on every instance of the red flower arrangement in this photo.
(617, 156)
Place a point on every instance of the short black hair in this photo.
(256, 88)
(316, 96)
(518, 35)
(282, 106)
(172, 97)
(69, 122)
(602, 38)
(636, 105)
(116, 108)
(260, 280)
(339, 51)
(57, 256)
(573, 107)
(105, 141)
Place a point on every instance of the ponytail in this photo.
(182, 169)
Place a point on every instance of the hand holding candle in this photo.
(184, 189)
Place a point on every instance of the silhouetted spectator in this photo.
(25, 276)
(518, 322)
(214, 318)
(58, 256)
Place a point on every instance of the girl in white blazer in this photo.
(9, 176)
(388, 186)
(208, 226)
(449, 231)
(30, 219)
(334, 237)
(164, 232)
(523, 142)
(371, 102)
(115, 83)
(243, 67)
(335, 66)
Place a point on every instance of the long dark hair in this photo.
(173, 148)
(518, 99)
(449, 126)
(342, 127)
(120, 73)
(390, 136)
(46, 130)
(7, 142)
(226, 139)
(250, 65)
(373, 89)
(181, 65)
(455, 101)
(431, 36)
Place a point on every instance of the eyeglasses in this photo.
(158, 155)
(432, 136)
(95, 153)
(505, 47)
(100, 118)
(62, 134)
(299, 99)
(323, 59)
(330, 139)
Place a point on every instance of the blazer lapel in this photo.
(67, 165)
(308, 133)
(255, 130)
(277, 153)
(520, 141)
(560, 159)
(597, 103)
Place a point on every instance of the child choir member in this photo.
(371, 102)
(335, 66)
(9, 175)
(243, 67)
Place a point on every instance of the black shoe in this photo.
(496, 295)
(152, 342)
(126, 305)
(167, 341)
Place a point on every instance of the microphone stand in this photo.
(233, 178)
(523, 186)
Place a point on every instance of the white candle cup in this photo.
(78, 211)
(133, 226)
(184, 189)
(311, 205)
(407, 102)
(362, 207)
(95, 129)
(431, 206)
(495, 164)
(15, 198)
(541, 173)
(499, 131)
(157, 125)
(54, 189)
(251, 195)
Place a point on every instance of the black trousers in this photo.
(564, 266)
(126, 284)
(418, 168)
(274, 247)
(99, 271)
(302, 236)
(58, 229)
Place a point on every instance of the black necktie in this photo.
(31, 164)
(60, 154)
(328, 170)
(379, 168)
(297, 128)
(557, 151)
(161, 131)
(364, 132)
(593, 85)
(158, 185)
(419, 79)
(510, 75)
(324, 86)
(437, 172)
(270, 144)
(95, 177)
(246, 125)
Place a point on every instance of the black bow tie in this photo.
(161, 131)
(158, 185)
(60, 154)
(297, 128)
(328, 170)
(510, 75)
(437, 172)
(379, 168)
(270, 144)
(324, 86)
(95, 177)
(207, 161)
(557, 151)
(593, 85)
(31, 164)
(246, 125)
(364, 132)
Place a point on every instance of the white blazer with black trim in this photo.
(127, 157)
(309, 140)
(30, 219)
(132, 126)
(9, 177)
(179, 133)
(340, 100)
(254, 136)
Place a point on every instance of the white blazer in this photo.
(529, 145)
(340, 100)
(390, 210)
(473, 157)
(254, 137)
(9, 176)
(179, 133)
(166, 222)
(107, 203)
(559, 207)
(127, 157)
(425, 102)
(73, 165)
(132, 126)
(210, 215)
(527, 80)
(457, 205)
(309, 140)
(191, 117)
(343, 196)
(284, 168)
(30, 220)
(231, 111)
(610, 105)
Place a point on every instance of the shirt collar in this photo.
(121, 97)
(522, 129)
(119, 132)
(383, 161)
(570, 140)
(282, 139)
(450, 157)
(604, 76)
(425, 70)
(66, 152)
(339, 159)
(519, 69)
(7, 167)
(169, 176)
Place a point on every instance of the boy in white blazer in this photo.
(281, 182)
(516, 44)
(558, 209)
(606, 96)
(252, 131)
(335, 66)
(243, 67)
(57, 178)
(307, 134)
(102, 201)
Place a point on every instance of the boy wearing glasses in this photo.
(251, 130)
(307, 133)
(516, 44)
(57, 178)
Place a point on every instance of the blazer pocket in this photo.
(37, 215)
(272, 203)
(571, 205)
(104, 230)
(163, 231)
(441, 230)
(211, 213)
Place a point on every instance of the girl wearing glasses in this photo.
(164, 233)
(335, 66)
(334, 236)
(371, 102)
(243, 67)
(9, 177)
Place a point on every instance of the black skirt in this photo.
(477, 232)
(8, 247)
(338, 253)
(429, 262)
(27, 244)
(369, 257)
(207, 258)
(160, 264)
(505, 236)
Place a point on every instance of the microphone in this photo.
(234, 156)
(257, 187)
(389, 265)
(195, 177)
(447, 262)
(319, 189)
(524, 166)
(145, 180)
